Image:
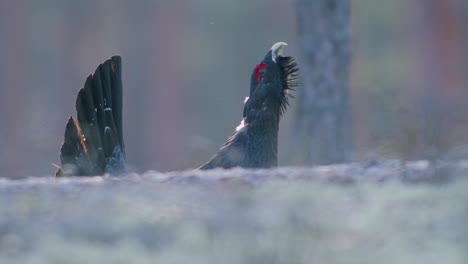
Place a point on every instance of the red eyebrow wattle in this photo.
(257, 70)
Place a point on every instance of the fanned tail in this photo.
(93, 143)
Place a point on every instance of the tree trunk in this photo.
(323, 123)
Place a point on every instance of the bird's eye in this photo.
(259, 71)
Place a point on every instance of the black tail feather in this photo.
(93, 142)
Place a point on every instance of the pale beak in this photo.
(277, 50)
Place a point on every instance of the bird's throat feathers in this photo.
(289, 79)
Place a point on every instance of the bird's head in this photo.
(272, 80)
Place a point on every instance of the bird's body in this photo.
(94, 144)
(254, 144)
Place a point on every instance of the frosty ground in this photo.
(390, 212)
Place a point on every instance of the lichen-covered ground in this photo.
(286, 215)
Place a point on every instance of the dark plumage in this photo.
(93, 142)
(254, 144)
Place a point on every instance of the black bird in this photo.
(254, 144)
(94, 143)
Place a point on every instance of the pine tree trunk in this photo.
(323, 124)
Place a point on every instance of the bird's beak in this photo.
(277, 50)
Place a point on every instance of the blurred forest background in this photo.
(187, 66)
